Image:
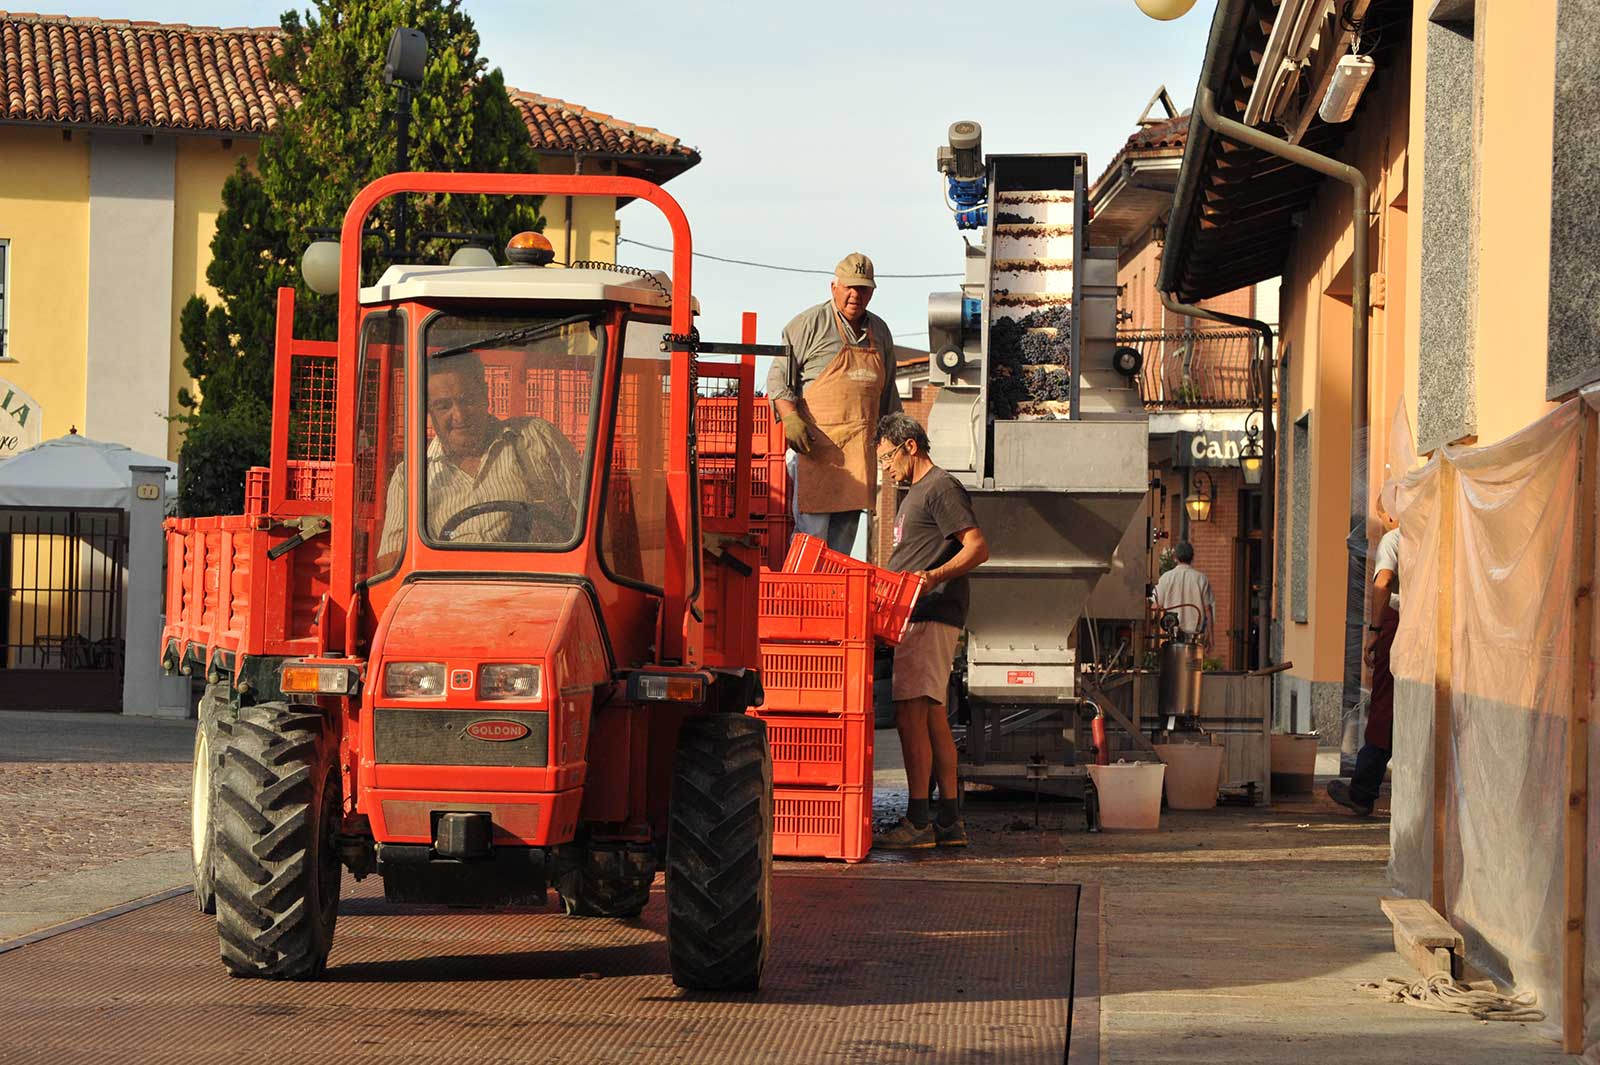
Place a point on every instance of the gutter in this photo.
(1269, 460)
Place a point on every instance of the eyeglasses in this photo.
(886, 457)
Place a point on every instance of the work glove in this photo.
(796, 432)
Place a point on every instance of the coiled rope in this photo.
(1441, 992)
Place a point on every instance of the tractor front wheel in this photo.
(719, 854)
(276, 865)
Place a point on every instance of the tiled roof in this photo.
(558, 126)
(59, 70)
(98, 72)
(1164, 138)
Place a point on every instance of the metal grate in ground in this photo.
(862, 970)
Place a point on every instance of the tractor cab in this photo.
(513, 421)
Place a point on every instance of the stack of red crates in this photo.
(770, 524)
(816, 669)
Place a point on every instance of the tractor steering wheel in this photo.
(526, 519)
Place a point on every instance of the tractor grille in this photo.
(442, 737)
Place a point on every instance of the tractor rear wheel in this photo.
(276, 865)
(719, 854)
(608, 880)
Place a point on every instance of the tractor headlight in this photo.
(413, 680)
(501, 680)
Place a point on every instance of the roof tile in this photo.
(149, 75)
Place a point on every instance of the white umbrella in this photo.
(74, 472)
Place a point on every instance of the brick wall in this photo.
(1215, 551)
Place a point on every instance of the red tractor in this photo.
(473, 632)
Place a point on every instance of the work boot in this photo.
(952, 835)
(904, 836)
(1339, 792)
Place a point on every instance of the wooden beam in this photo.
(1423, 938)
(1577, 814)
(1443, 659)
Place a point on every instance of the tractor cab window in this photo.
(633, 526)
(509, 409)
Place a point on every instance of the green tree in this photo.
(339, 137)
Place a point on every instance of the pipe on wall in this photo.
(1360, 200)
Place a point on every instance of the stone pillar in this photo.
(145, 690)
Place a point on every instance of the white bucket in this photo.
(1130, 794)
(1193, 773)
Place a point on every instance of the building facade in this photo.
(116, 139)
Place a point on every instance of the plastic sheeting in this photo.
(1510, 511)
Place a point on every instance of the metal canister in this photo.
(1178, 681)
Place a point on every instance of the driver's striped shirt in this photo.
(528, 461)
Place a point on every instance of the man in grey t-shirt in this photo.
(936, 536)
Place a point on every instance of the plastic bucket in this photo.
(1193, 771)
(1129, 793)
(1294, 763)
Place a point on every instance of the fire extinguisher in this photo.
(1097, 731)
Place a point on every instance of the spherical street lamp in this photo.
(1165, 10)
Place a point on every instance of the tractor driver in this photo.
(490, 480)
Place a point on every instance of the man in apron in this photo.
(829, 393)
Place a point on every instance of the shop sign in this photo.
(19, 420)
(1213, 447)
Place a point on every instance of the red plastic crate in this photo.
(771, 535)
(727, 603)
(717, 487)
(822, 822)
(894, 595)
(256, 481)
(814, 749)
(826, 607)
(763, 431)
(769, 486)
(814, 678)
(717, 425)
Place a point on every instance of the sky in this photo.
(817, 122)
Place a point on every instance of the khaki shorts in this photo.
(922, 661)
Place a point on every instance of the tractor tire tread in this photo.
(719, 854)
(267, 820)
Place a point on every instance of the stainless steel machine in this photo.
(1049, 436)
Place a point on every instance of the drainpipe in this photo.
(1355, 598)
(1269, 463)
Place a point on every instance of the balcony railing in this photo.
(1192, 369)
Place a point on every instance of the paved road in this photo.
(29, 736)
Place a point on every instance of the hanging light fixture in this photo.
(1252, 457)
(1202, 492)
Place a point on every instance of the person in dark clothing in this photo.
(1361, 794)
(937, 537)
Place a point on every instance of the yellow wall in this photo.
(580, 227)
(203, 164)
(1316, 323)
(1519, 72)
(44, 212)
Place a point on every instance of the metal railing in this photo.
(1188, 369)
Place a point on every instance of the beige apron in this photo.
(841, 406)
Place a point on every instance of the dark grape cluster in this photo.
(1015, 352)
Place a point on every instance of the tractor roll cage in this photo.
(682, 578)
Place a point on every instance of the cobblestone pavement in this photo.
(59, 818)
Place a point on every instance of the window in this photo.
(380, 445)
(509, 403)
(634, 526)
(5, 264)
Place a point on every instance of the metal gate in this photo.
(63, 579)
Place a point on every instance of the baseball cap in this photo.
(853, 270)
